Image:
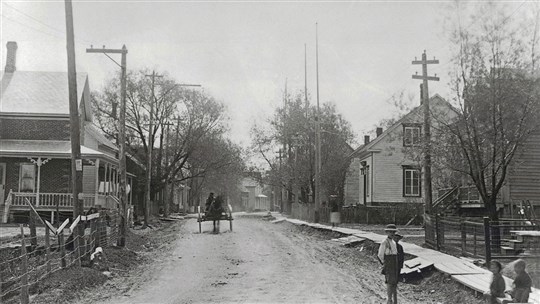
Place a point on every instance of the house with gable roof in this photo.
(381, 171)
(35, 148)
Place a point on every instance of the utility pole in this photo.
(318, 134)
(280, 152)
(427, 126)
(149, 154)
(122, 139)
(166, 209)
(74, 123)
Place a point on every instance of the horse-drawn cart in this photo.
(226, 215)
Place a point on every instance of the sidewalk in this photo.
(462, 271)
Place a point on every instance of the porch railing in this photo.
(52, 200)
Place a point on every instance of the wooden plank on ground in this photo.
(458, 268)
(349, 240)
(415, 265)
(477, 282)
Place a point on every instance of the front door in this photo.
(2, 182)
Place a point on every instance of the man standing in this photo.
(209, 201)
(388, 256)
(400, 252)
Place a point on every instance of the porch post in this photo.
(116, 182)
(38, 163)
(97, 183)
(105, 184)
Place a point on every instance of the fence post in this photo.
(367, 216)
(25, 299)
(463, 238)
(474, 241)
(437, 244)
(92, 235)
(33, 233)
(487, 239)
(77, 249)
(47, 249)
(62, 248)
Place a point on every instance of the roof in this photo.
(38, 92)
(44, 148)
(95, 133)
(398, 123)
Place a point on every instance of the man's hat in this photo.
(398, 235)
(390, 227)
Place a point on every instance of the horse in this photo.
(215, 211)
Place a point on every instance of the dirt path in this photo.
(261, 262)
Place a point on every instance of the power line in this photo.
(63, 33)
(35, 19)
(32, 28)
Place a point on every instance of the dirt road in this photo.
(262, 262)
(258, 262)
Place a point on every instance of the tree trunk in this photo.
(494, 224)
(166, 198)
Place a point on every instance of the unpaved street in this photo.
(261, 262)
(257, 262)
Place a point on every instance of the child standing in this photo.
(388, 256)
(400, 252)
(497, 287)
(522, 283)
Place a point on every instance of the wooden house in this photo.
(35, 149)
(384, 171)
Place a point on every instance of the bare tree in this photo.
(497, 92)
(292, 130)
(187, 123)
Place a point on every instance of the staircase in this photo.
(447, 202)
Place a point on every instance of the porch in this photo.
(41, 173)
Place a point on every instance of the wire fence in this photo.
(30, 259)
(483, 238)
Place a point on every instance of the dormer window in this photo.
(412, 135)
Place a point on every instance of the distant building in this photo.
(253, 194)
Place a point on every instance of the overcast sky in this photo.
(243, 52)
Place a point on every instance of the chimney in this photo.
(366, 139)
(11, 58)
(379, 131)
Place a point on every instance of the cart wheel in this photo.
(200, 228)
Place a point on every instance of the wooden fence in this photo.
(482, 238)
(360, 214)
(28, 260)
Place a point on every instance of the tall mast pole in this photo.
(150, 147)
(305, 78)
(318, 135)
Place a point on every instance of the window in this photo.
(412, 134)
(27, 178)
(412, 181)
